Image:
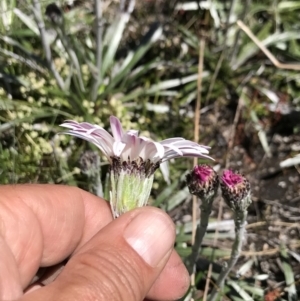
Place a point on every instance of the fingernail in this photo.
(151, 235)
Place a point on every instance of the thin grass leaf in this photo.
(226, 225)
(190, 38)
(165, 194)
(267, 39)
(285, 6)
(245, 267)
(290, 162)
(36, 114)
(142, 92)
(211, 6)
(269, 93)
(141, 71)
(262, 135)
(14, 79)
(183, 238)
(244, 296)
(176, 199)
(288, 274)
(218, 253)
(295, 255)
(173, 83)
(112, 40)
(29, 22)
(253, 290)
(261, 277)
(23, 60)
(257, 8)
(133, 57)
(158, 108)
(8, 40)
(6, 13)
(6, 104)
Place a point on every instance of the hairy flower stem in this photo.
(90, 166)
(205, 207)
(240, 217)
(96, 185)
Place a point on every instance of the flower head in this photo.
(128, 146)
(235, 190)
(133, 159)
(203, 181)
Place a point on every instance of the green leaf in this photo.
(6, 10)
(27, 21)
(267, 39)
(288, 6)
(288, 274)
(244, 296)
(112, 40)
(190, 38)
(176, 199)
(165, 194)
(134, 56)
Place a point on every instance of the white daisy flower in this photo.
(133, 159)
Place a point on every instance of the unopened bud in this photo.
(203, 181)
(235, 190)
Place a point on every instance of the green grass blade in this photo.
(288, 274)
(176, 199)
(287, 6)
(243, 294)
(133, 57)
(112, 40)
(27, 21)
(267, 39)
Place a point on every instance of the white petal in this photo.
(138, 145)
(118, 147)
(191, 153)
(101, 134)
(105, 147)
(164, 168)
(128, 145)
(132, 132)
(186, 144)
(154, 151)
(175, 149)
(171, 140)
(116, 128)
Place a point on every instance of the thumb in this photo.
(121, 262)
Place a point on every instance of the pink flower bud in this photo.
(235, 190)
(203, 181)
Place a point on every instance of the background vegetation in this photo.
(142, 62)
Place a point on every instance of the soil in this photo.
(274, 215)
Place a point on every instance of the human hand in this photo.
(127, 259)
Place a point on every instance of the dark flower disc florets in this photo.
(138, 167)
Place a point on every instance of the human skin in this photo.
(130, 258)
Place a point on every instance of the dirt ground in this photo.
(274, 216)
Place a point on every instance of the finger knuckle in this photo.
(112, 275)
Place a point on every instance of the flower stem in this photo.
(200, 232)
(240, 222)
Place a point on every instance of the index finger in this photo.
(44, 224)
